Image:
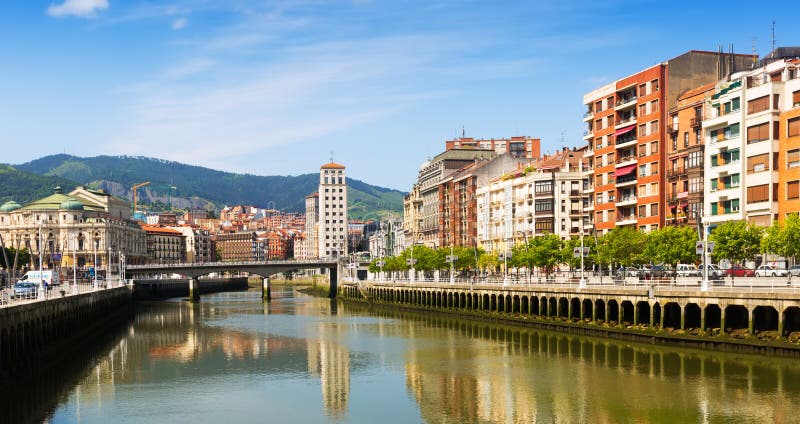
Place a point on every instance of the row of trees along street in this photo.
(736, 241)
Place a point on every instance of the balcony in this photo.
(587, 135)
(625, 121)
(626, 220)
(588, 116)
(672, 128)
(625, 161)
(627, 180)
(696, 122)
(626, 201)
(625, 102)
(674, 172)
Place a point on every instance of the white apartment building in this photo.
(742, 130)
(545, 198)
(311, 246)
(332, 218)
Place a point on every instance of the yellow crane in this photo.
(135, 187)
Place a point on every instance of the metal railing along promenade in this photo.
(744, 285)
(66, 289)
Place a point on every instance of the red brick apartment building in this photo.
(627, 136)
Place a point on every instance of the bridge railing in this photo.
(224, 264)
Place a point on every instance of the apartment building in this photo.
(311, 227)
(332, 230)
(431, 175)
(751, 129)
(165, 245)
(685, 156)
(517, 146)
(458, 207)
(412, 215)
(627, 136)
(545, 197)
(238, 247)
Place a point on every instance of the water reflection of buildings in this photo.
(331, 362)
(497, 374)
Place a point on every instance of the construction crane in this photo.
(135, 187)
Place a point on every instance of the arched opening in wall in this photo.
(509, 304)
(563, 307)
(600, 310)
(552, 307)
(535, 306)
(501, 303)
(713, 319)
(643, 312)
(575, 308)
(450, 300)
(692, 316)
(475, 298)
(517, 307)
(463, 303)
(543, 307)
(493, 303)
(672, 316)
(791, 323)
(736, 320)
(487, 303)
(613, 311)
(765, 322)
(524, 305)
(587, 309)
(627, 312)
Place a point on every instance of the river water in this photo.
(300, 359)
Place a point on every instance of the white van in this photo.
(687, 270)
(51, 278)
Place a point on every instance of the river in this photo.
(232, 359)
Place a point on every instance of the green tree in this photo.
(671, 245)
(737, 241)
(488, 261)
(545, 252)
(621, 246)
(783, 238)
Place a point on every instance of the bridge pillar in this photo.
(266, 293)
(194, 290)
(334, 276)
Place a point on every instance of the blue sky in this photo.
(272, 87)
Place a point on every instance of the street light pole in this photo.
(704, 286)
(582, 284)
(94, 265)
(40, 293)
(452, 265)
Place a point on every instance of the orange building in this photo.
(789, 144)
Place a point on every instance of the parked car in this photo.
(713, 271)
(740, 271)
(648, 272)
(794, 270)
(687, 270)
(25, 290)
(771, 271)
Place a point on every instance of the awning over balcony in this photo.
(624, 130)
(625, 170)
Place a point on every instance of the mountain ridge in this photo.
(185, 185)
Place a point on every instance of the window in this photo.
(654, 168)
(642, 90)
(642, 211)
(726, 133)
(653, 147)
(654, 106)
(598, 106)
(653, 127)
(694, 159)
(674, 138)
(697, 136)
(758, 105)
(543, 187)
(793, 129)
(686, 139)
(642, 130)
(544, 206)
(758, 163)
(642, 150)
(793, 158)
(758, 133)
(796, 98)
(759, 193)
(696, 185)
(793, 190)
(643, 109)
(654, 85)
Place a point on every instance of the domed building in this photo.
(64, 229)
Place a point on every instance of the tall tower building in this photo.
(312, 223)
(332, 219)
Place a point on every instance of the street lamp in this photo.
(94, 264)
(452, 259)
(40, 293)
(704, 286)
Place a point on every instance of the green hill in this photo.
(195, 186)
(23, 187)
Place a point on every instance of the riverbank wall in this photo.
(32, 332)
(155, 289)
(765, 323)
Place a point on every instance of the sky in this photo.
(281, 87)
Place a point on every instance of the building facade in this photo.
(78, 227)
(238, 247)
(311, 228)
(517, 146)
(332, 223)
(165, 245)
(627, 134)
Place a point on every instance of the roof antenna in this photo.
(755, 53)
(463, 132)
(773, 40)
(562, 139)
(331, 156)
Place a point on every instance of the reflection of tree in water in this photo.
(496, 373)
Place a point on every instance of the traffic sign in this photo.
(698, 247)
(452, 258)
(411, 261)
(711, 247)
(576, 252)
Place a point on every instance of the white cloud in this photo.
(77, 8)
(179, 23)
